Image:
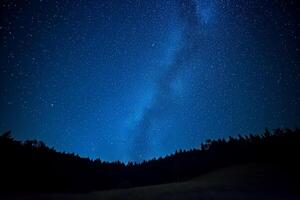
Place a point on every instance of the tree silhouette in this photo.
(31, 166)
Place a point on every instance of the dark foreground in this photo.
(248, 181)
(32, 167)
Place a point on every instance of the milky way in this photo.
(132, 80)
(171, 85)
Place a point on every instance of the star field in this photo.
(132, 80)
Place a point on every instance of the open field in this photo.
(249, 181)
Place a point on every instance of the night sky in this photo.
(133, 79)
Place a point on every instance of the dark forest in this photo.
(31, 166)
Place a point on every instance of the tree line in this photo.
(31, 166)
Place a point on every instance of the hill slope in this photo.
(248, 181)
(32, 167)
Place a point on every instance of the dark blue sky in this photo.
(132, 79)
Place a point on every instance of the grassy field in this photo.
(249, 181)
